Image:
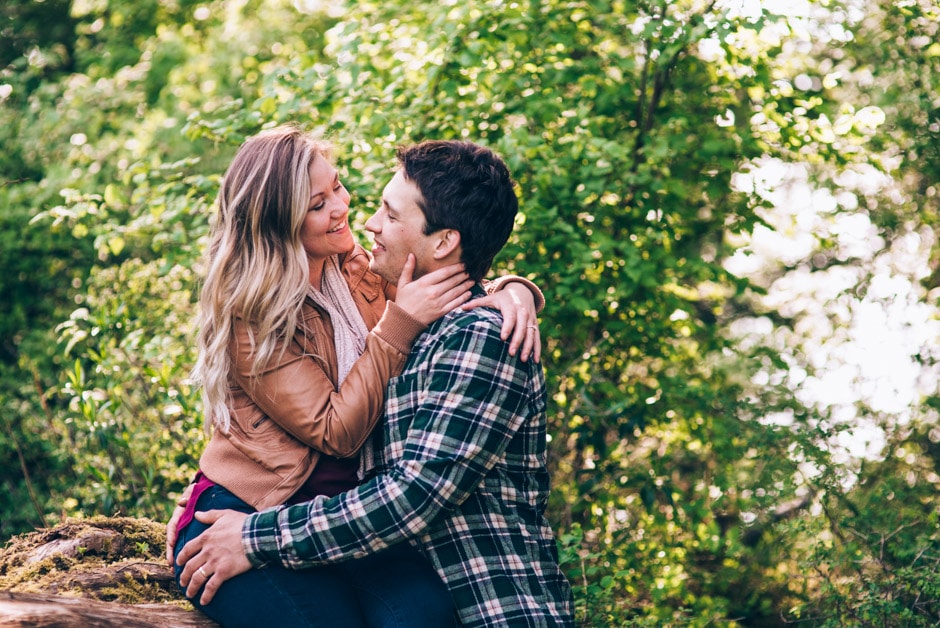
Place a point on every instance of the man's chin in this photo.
(384, 273)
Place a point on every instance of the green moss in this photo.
(116, 559)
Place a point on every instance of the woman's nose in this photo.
(340, 206)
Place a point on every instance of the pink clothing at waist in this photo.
(201, 484)
(330, 477)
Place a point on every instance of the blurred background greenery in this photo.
(716, 197)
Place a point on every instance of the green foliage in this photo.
(104, 194)
(131, 407)
(680, 496)
(874, 555)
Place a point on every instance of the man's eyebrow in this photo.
(389, 207)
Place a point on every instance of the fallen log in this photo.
(22, 610)
(103, 571)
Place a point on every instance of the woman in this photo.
(294, 379)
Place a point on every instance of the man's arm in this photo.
(475, 402)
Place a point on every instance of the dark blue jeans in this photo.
(395, 588)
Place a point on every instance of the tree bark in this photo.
(45, 610)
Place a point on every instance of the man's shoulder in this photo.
(481, 320)
(462, 332)
(468, 337)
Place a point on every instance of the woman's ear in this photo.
(448, 242)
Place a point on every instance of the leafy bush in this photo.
(680, 495)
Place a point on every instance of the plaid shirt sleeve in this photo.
(471, 399)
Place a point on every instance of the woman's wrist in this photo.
(398, 328)
(500, 283)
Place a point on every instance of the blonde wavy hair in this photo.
(257, 268)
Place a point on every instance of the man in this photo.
(460, 461)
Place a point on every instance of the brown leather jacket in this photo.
(292, 411)
(284, 418)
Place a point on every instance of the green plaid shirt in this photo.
(460, 470)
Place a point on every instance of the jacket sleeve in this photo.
(491, 286)
(500, 283)
(296, 393)
(473, 404)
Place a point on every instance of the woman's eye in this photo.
(317, 207)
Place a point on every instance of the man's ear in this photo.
(448, 241)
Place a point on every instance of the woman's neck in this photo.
(317, 268)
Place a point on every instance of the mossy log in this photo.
(103, 571)
(47, 610)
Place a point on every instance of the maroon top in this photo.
(330, 477)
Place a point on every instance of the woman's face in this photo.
(325, 230)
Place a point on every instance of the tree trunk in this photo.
(42, 610)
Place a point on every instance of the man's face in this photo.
(398, 229)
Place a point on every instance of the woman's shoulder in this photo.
(355, 258)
